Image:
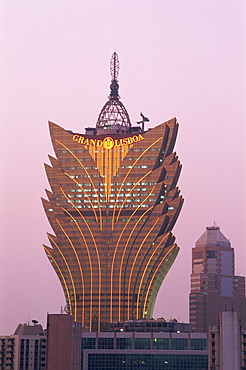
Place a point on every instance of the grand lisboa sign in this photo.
(108, 142)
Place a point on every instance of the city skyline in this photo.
(187, 63)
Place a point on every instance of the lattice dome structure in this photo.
(113, 117)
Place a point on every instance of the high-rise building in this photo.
(112, 206)
(214, 286)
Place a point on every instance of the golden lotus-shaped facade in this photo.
(112, 206)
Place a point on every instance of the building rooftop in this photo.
(213, 237)
(158, 325)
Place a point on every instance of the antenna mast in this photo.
(114, 71)
(114, 66)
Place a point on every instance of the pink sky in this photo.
(181, 58)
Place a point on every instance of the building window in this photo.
(180, 343)
(161, 343)
(124, 343)
(142, 343)
(211, 254)
(198, 344)
(105, 343)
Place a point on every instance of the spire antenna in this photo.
(114, 66)
(114, 71)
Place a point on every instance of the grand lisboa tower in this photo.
(112, 206)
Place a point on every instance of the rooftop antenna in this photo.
(114, 71)
(114, 66)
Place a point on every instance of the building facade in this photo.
(144, 350)
(25, 349)
(214, 286)
(227, 343)
(163, 349)
(63, 343)
(112, 206)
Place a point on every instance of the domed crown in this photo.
(113, 118)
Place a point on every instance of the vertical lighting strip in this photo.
(118, 157)
(60, 272)
(106, 183)
(124, 251)
(90, 262)
(110, 171)
(138, 251)
(77, 258)
(125, 151)
(145, 269)
(79, 263)
(71, 277)
(156, 270)
(115, 159)
(99, 161)
(92, 183)
(113, 217)
(92, 152)
(98, 257)
(115, 250)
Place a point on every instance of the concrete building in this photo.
(69, 347)
(112, 206)
(63, 343)
(144, 350)
(25, 349)
(227, 343)
(214, 286)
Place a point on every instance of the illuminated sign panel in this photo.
(108, 142)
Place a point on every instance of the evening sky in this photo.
(178, 58)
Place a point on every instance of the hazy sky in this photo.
(178, 58)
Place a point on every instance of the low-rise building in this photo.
(144, 350)
(70, 347)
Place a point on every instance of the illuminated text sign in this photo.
(108, 142)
